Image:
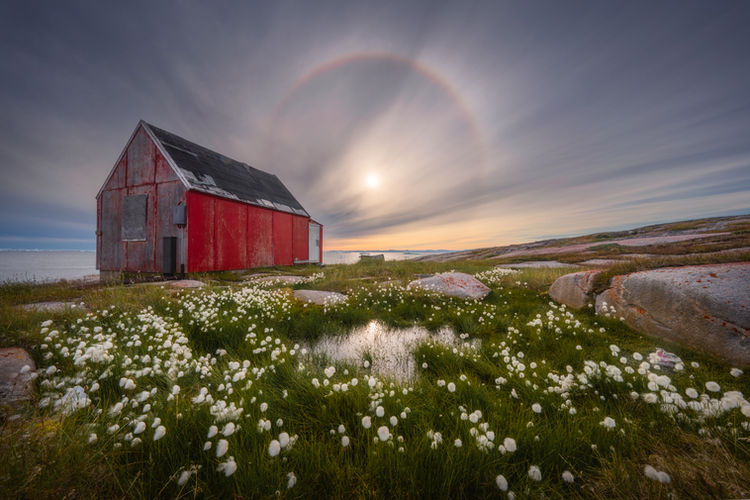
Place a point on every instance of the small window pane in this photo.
(134, 217)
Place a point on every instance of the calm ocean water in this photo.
(41, 265)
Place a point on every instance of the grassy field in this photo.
(151, 392)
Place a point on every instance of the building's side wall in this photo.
(141, 170)
(226, 234)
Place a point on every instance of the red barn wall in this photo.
(141, 170)
(226, 234)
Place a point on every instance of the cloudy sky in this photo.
(395, 124)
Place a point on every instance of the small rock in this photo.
(14, 385)
(573, 290)
(186, 284)
(454, 284)
(320, 297)
(599, 262)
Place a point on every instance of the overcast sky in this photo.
(395, 124)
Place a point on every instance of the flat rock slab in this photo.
(543, 264)
(186, 284)
(574, 290)
(320, 297)
(454, 284)
(54, 306)
(285, 280)
(706, 308)
(14, 385)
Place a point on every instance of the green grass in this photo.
(251, 339)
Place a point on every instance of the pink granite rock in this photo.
(454, 284)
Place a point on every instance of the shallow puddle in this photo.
(390, 350)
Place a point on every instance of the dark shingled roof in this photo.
(214, 173)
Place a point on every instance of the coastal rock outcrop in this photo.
(573, 290)
(454, 284)
(706, 308)
(16, 375)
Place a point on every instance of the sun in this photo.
(372, 180)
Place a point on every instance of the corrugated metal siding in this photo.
(231, 230)
(300, 238)
(142, 170)
(200, 218)
(259, 237)
(282, 239)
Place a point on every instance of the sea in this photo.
(53, 265)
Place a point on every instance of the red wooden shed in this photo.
(170, 205)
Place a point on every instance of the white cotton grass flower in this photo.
(228, 429)
(509, 444)
(284, 439)
(501, 482)
(139, 427)
(366, 422)
(228, 467)
(274, 448)
(393, 420)
(344, 441)
(567, 476)
(691, 393)
(534, 473)
(451, 387)
(183, 478)
(263, 407)
(608, 422)
(656, 475)
(221, 448)
(458, 443)
(207, 445)
(159, 432)
(291, 480)
(736, 372)
(713, 386)
(536, 408)
(212, 431)
(383, 433)
(379, 411)
(93, 438)
(330, 371)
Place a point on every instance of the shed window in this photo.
(134, 218)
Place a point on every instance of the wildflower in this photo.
(608, 422)
(383, 433)
(93, 437)
(341, 428)
(228, 429)
(567, 476)
(212, 431)
(113, 428)
(501, 482)
(139, 428)
(379, 411)
(656, 475)
(536, 408)
(344, 441)
(457, 443)
(330, 371)
(509, 444)
(228, 467)
(736, 372)
(274, 448)
(207, 445)
(534, 473)
(451, 387)
(291, 480)
(222, 448)
(713, 386)
(263, 407)
(691, 393)
(159, 432)
(283, 439)
(366, 422)
(183, 478)
(393, 420)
